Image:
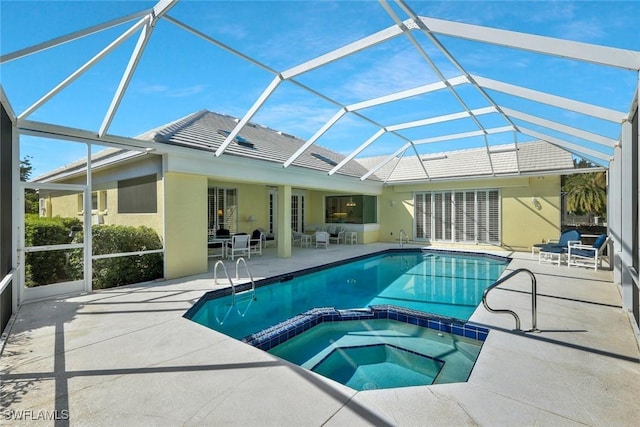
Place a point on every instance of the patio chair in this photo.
(322, 238)
(296, 236)
(255, 243)
(587, 255)
(555, 252)
(239, 244)
(267, 237)
(337, 236)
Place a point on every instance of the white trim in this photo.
(70, 37)
(568, 145)
(553, 100)
(7, 106)
(6, 280)
(420, 90)
(358, 150)
(444, 118)
(122, 254)
(87, 65)
(589, 136)
(358, 45)
(385, 161)
(52, 290)
(252, 111)
(143, 39)
(52, 186)
(46, 248)
(315, 137)
(233, 168)
(464, 135)
(602, 55)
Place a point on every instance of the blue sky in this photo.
(180, 73)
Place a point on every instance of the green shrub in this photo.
(123, 270)
(47, 267)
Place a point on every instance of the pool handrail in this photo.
(400, 237)
(534, 303)
(232, 285)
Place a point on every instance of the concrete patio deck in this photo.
(126, 356)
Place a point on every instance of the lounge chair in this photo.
(239, 244)
(555, 252)
(587, 255)
(322, 238)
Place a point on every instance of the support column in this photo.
(185, 224)
(628, 200)
(284, 221)
(8, 288)
(614, 212)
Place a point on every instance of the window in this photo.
(94, 202)
(297, 212)
(324, 159)
(356, 209)
(223, 208)
(240, 140)
(458, 216)
(138, 195)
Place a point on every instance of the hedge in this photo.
(123, 270)
(43, 268)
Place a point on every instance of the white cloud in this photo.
(149, 89)
(186, 91)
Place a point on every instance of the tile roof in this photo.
(538, 156)
(202, 131)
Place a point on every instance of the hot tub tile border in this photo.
(277, 334)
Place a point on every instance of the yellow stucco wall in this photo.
(105, 184)
(522, 223)
(525, 223)
(315, 207)
(185, 225)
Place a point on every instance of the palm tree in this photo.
(587, 193)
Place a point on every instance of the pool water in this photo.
(381, 353)
(445, 284)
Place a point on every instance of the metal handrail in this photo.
(233, 286)
(246, 268)
(534, 296)
(400, 237)
(215, 273)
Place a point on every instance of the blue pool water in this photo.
(445, 284)
(381, 353)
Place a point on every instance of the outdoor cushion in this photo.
(554, 249)
(585, 253)
(599, 241)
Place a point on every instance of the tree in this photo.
(25, 168)
(31, 198)
(586, 192)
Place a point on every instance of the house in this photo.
(183, 190)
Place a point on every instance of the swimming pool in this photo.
(447, 284)
(392, 319)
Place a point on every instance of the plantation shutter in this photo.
(419, 204)
(459, 224)
(448, 213)
(481, 217)
(437, 216)
(494, 216)
(458, 216)
(470, 216)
